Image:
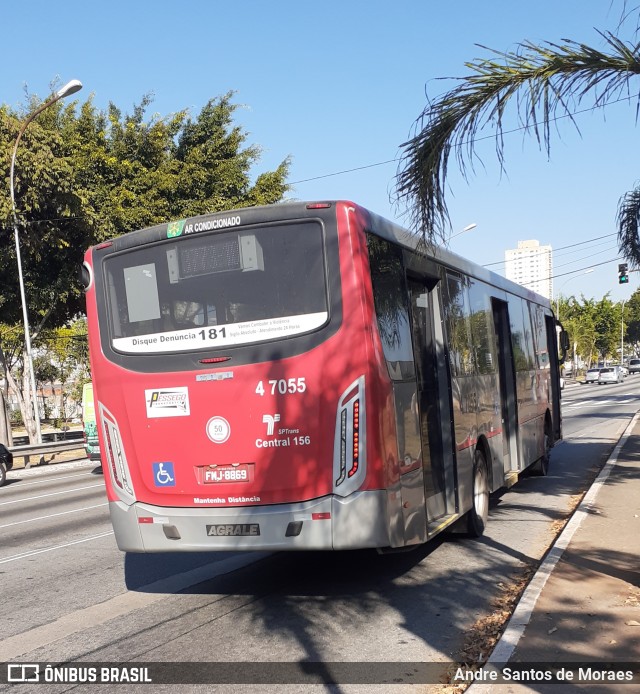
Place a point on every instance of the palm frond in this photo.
(628, 225)
(544, 82)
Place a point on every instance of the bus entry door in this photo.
(508, 395)
(433, 406)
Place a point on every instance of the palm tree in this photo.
(544, 83)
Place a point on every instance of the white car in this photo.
(592, 376)
(611, 374)
(634, 366)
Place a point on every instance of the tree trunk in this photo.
(23, 394)
(28, 407)
(6, 436)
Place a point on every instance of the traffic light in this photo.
(623, 274)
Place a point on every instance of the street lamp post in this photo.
(69, 88)
(469, 227)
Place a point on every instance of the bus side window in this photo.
(391, 303)
(539, 336)
(458, 316)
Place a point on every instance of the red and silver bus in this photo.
(309, 376)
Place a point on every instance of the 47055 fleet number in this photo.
(282, 386)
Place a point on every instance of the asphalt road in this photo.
(69, 594)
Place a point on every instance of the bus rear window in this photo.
(217, 290)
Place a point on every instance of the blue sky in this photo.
(337, 86)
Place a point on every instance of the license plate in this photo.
(224, 474)
(233, 530)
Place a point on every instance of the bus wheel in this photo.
(479, 513)
(541, 466)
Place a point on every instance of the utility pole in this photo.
(622, 335)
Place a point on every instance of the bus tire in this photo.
(479, 513)
(541, 466)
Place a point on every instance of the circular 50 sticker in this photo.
(218, 429)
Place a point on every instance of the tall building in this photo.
(530, 265)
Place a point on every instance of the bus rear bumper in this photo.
(329, 523)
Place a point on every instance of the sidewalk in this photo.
(583, 605)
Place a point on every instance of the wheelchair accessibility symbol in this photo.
(163, 475)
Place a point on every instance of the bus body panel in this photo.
(196, 431)
(275, 420)
(295, 443)
(330, 523)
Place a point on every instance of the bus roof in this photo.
(378, 225)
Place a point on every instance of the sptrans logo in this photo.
(167, 402)
(270, 421)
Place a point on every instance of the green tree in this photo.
(84, 175)
(578, 321)
(64, 357)
(607, 326)
(542, 83)
(594, 327)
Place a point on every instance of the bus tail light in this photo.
(115, 457)
(214, 360)
(350, 440)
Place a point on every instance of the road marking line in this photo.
(53, 515)
(15, 475)
(33, 552)
(44, 496)
(596, 403)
